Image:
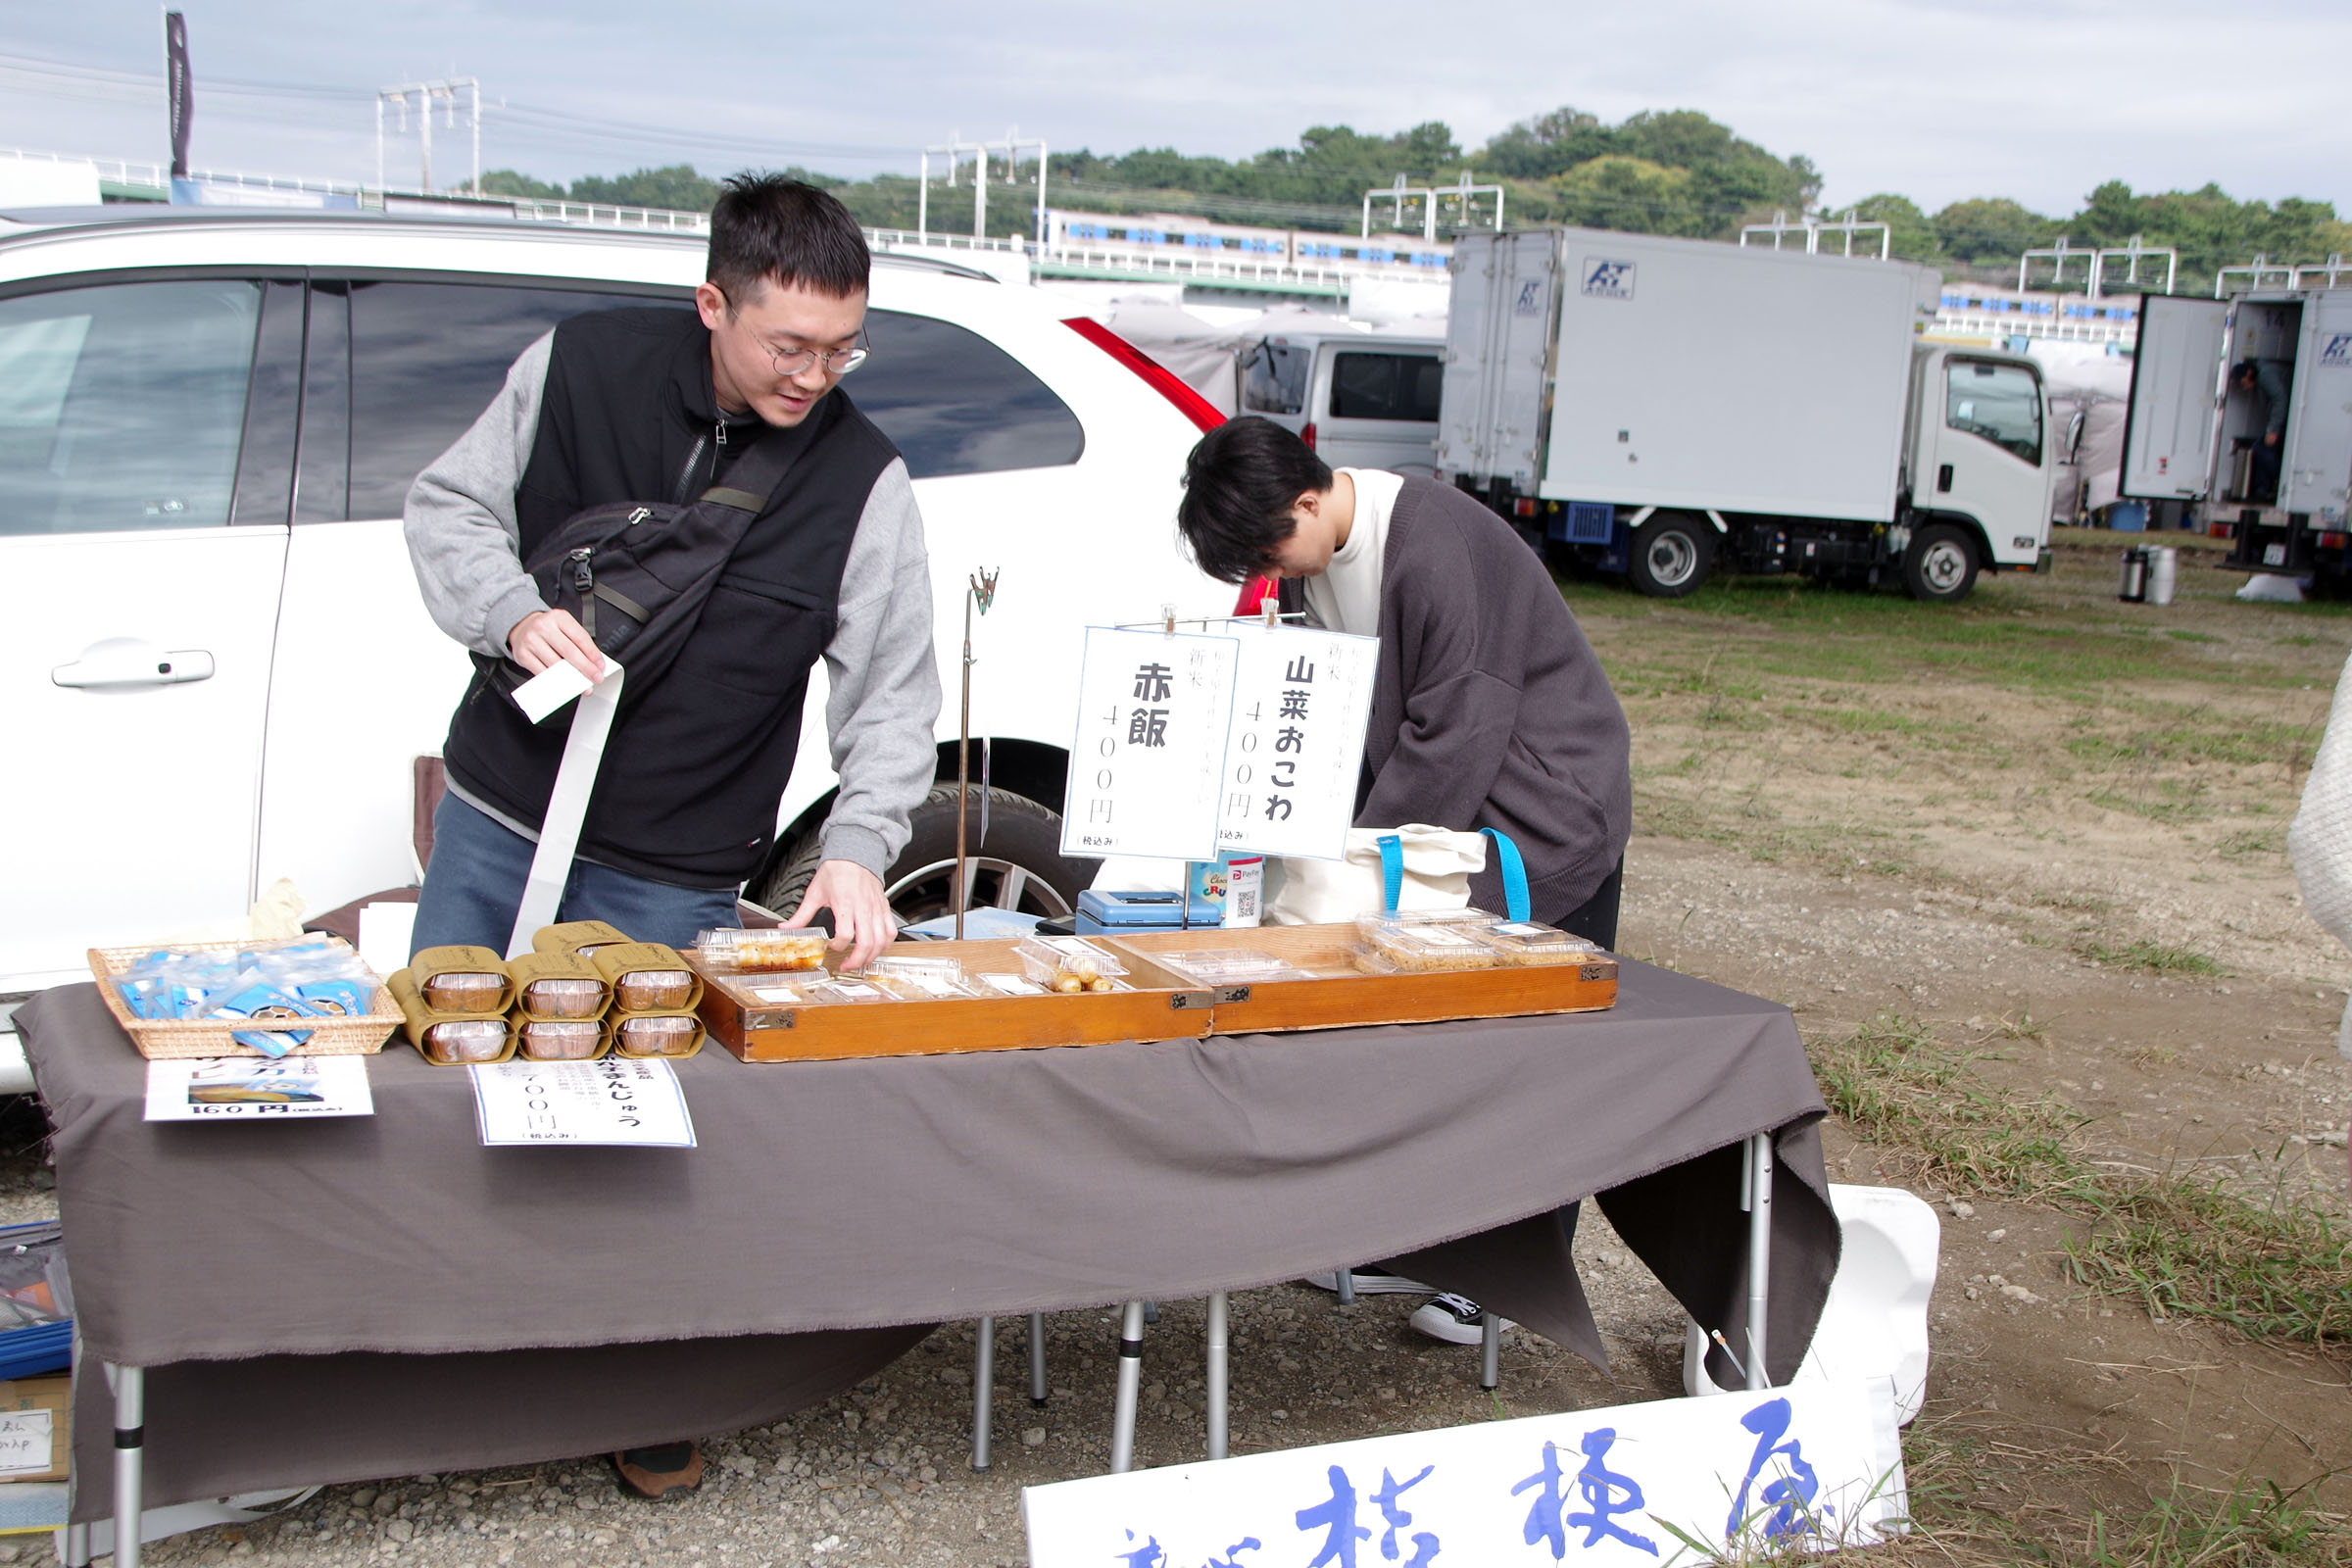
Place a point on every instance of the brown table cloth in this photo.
(343, 1299)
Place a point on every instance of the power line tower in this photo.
(426, 95)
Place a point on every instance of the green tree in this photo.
(1990, 228)
(1632, 194)
(506, 182)
(678, 188)
(1911, 233)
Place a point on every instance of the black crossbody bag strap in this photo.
(752, 481)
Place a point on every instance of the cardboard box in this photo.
(31, 1410)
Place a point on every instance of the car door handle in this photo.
(1944, 478)
(102, 668)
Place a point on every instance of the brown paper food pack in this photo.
(418, 1018)
(616, 1039)
(432, 964)
(532, 968)
(573, 935)
(55, 1394)
(616, 964)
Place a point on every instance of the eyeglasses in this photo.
(791, 362)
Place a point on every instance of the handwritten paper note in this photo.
(614, 1100)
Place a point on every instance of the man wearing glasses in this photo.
(657, 404)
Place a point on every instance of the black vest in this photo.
(696, 765)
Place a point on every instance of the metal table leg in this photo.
(1347, 1286)
(984, 1390)
(1037, 1359)
(1758, 1187)
(1490, 1348)
(130, 1455)
(78, 1547)
(1218, 1374)
(1131, 1370)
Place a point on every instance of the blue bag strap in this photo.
(1392, 871)
(1514, 874)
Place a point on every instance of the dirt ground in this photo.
(2042, 824)
(2073, 859)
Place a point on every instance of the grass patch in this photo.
(2182, 1247)
(2252, 841)
(2157, 958)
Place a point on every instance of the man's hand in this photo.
(2270, 438)
(861, 918)
(545, 638)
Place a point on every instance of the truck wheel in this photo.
(1941, 567)
(1020, 867)
(1672, 553)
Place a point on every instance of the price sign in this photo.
(252, 1089)
(1155, 711)
(1301, 698)
(614, 1100)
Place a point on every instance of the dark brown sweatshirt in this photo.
(1490, 709)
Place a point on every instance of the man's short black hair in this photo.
(771, 226)
(1239, 486)
(2245, 370)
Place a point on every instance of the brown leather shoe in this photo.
(654, 1473)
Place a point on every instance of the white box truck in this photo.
(1669, 408)
(2198, 434)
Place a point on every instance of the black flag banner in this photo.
(176, 74)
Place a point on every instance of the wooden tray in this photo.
(179, 1038)
(1161, 1007)
(1341, 994)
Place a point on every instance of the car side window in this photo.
(121, 404)
(1385, 386)
(955, 403)
(426, 359)
(1997, 403)
(1274, 379)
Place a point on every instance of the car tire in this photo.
(1020, 864)
(1940, 565)
(1671, 554)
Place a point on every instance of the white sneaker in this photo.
(1370, 1282)
(1453, 1319)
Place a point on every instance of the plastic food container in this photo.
(1527, 941)
(917, 979)
(848, 989)
(1230, 967)
(656, 1037)
(1428, 947)
(1068, 965)
(1373, 919)
(561, 1041)
(646, 989)
(762, 952)
(563, 998)
(465, 991)
(1007, 985)
(466, 1040)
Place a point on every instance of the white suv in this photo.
(214, 662)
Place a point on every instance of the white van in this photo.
(1360, 400)
(216, 665)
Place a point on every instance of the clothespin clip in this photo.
(1167, 620)
(1271, 607)
(984, 588)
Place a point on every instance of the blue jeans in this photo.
(474, 886)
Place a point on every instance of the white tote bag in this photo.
(1429, 870)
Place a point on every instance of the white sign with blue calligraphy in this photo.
(1301, 697)
(1812, 1468)
(614, 1100)
(1153, 712)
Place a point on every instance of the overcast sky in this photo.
(2036, 99)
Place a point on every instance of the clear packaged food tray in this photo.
(1069, 964)
(466, 1040)
(1530, 942)
(673, 1036)
(645, 990)
(564, 997)
(1232, 967)
(1427, 947)
(560, 1039)
(917, 979)
(463, 991)
(762, 952)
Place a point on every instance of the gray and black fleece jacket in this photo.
(1490, 708)
(617, 406)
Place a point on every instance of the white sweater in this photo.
(2320, 844)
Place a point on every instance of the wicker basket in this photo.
(175, 1039)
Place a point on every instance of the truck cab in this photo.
(2195, 435)
(1981, 466)
(1361, 401)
